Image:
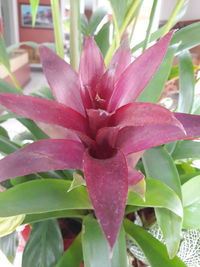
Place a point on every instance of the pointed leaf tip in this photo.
(107, 183)
(138, 74)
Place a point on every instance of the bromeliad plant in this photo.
(99, 127)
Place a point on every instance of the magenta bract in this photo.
(103, 131)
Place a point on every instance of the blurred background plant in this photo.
(173, 182)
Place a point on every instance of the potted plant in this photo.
(102, 150)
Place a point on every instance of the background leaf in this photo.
(96, 19)
(44, 246)
(153, 249)
(102, 38)
(191, 202)
(159, 165)
(73, 256)
(186, 149)
(9, 224)
(8, 245)
(186, 82)
(95, 246)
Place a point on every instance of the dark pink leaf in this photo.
(43, 110)
(133, 139)
(92, 66)
(107, 183)
(107, 136)
(139, 114)
(41, 156)
(191, 124)
(105, 88)
(121, 59)
(138, 74)
(58, 132)
(62, 79)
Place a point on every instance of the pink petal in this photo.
(105, 87)
(92, 65)
(139, 73)
(98, 118)
(139, 114)
(41, 156)
(121, 59)
(107, 136)
(134, 139)
(43, 110)
(107, 183)
(191, 124)
(132, 159)
(62, 79)
(57, 132)
(134, 176)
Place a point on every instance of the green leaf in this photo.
(96, 18)
(191, 202)
(158, 195)
(77, 181)
(159, 165)
(151, 20)
(30, 218)
(8, 88)
(191, 191)
(139, 188)
(153, 249)
(44, 246)
(154, 89)
(191, 216)
(102, 38)
(33, 128)
(186, 82)
(8, 245)
(178, 12)
(95, 246)
(4, 57)
(42, 196)
(34, 7)
(73, 257)
(186, 149)
(7, 146)
(189, 37)
(4, 133)
(171, 227)
(9, 224)
(84, 24)
(119, 10)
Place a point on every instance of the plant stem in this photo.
(13, 79)
(126, 22)
(151, 20)
(57, 28)
(172, 17)
(74, 33)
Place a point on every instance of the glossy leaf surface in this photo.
(42, 196)
(153, 198)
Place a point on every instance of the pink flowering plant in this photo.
(87, 164)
